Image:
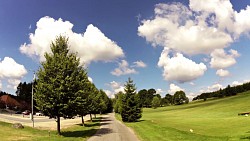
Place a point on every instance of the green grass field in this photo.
(74, 133)
(212, 120)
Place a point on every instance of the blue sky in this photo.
(196, 46)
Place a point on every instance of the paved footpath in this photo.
(113, 130)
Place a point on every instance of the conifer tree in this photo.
(131, 110)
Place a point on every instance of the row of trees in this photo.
(149, 98)
(63, 89)
(228, 91)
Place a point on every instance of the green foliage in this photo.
(61, 82)
(105, 102)
(145, 97)
(156, 102)
(118, 102)
(169, 99)
(142, 97)
(24, 91)
(180, 98)
(131, 110)
(93, 100)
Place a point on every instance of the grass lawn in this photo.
(212, 120)
(74, 133)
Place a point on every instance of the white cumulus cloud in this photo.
(236, 83)
(90, 46)
(115, 87)
(174, 88)
(214, 87)
(9, 68)
(13, 83)
(179, 68)
(139, 64)
(177, 27)
(202, 27)
(123, 69)
(109, 93)
(220, 59)
(159, 91)
(222, 73)
(11, 71)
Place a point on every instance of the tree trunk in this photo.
(58, 125)
(90, 117)
(95, 115)
(82, 121)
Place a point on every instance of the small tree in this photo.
(180, 98)
(156, 102)
(131, 110)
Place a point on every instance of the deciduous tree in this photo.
(59, 82)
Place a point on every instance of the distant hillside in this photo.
(212, 120)
(228, 91)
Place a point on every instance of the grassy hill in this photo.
(215, 119)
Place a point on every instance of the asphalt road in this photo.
(113, 130)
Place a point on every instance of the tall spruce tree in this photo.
(131, 110)
(60, 82)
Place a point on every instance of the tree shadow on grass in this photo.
(79, 133)
(89, 125)
(104, 123)
(246, 137)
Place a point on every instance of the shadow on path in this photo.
(79, 133)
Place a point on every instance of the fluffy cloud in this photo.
(13, 83)
(159, 91)
(203, 27)
(236, 83)
(215, 87)
(116, 87)
(139, 64)
(9, 68)
(212, 88)
(179, 68)
(109, 93)
(123, 69)
(222, 73)
(192, 35)
(92, 45)
(11, 71)
(174, 88)
(221, 60)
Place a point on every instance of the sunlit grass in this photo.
(215, 119)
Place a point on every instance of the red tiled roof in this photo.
(8, 100)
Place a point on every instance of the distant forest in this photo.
(228, 91)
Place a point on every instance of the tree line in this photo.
(228, 91)
(150, 99)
